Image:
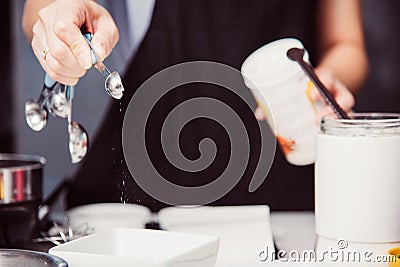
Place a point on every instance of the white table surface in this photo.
(293, 230)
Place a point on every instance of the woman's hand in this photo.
(58, 43)
(340, 92)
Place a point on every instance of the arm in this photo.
(54, 28)
(342, 42)
(344, 64)
(30, 15)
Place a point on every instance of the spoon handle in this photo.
(48, 86)
(97, 63)
(113, 83)
(294, 54)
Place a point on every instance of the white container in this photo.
(138, 247)
(106, 216)
(282, 88)
(357, 178)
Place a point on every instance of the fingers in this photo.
(62, 21)
(60, 62)
(343, 96)
(61, 59)
(72, 37)
(340, 92)
(327, 78)
(52, 67)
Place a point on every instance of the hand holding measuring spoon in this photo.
(57, 98)
(65, 55)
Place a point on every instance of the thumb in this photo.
(344, 97)
(101, 45)
(106, 36)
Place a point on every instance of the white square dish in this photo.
(138, 247)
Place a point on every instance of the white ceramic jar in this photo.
(282, 90)
(357, 178)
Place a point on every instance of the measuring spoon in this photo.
(36, 114)
(113, 82)
(78, 137)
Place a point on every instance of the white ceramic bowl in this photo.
(107, 216)
(138, 247)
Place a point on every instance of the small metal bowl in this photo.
(20, 178)
(17, 258)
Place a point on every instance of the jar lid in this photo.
(362, 124)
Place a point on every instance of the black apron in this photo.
(223, 31)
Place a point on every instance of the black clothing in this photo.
(223, 31)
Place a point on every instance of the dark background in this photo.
(380, 93)
(382, 35)
(6, 97)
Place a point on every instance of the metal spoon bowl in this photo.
(113, 85)
(35, 116)
(58, 104)
(78, 142)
